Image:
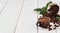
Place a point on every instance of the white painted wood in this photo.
(9, 16)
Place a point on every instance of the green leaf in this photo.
(42, 12)
(43, 8)
(37, 9)
(48, 3)
(58, 17)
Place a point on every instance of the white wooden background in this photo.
(28, 18)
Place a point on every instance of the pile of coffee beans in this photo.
(52, 22)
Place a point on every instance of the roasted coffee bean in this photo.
(58, 22)
(54, 28)
(54, 9)
(53, 19)
(49, 15)
(37, 23)
(56, 25)
(42, 24)
(52, 13)
(50, 29)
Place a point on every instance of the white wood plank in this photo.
(27, 23)
(8, 17)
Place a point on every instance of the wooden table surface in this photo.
(28, 18)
